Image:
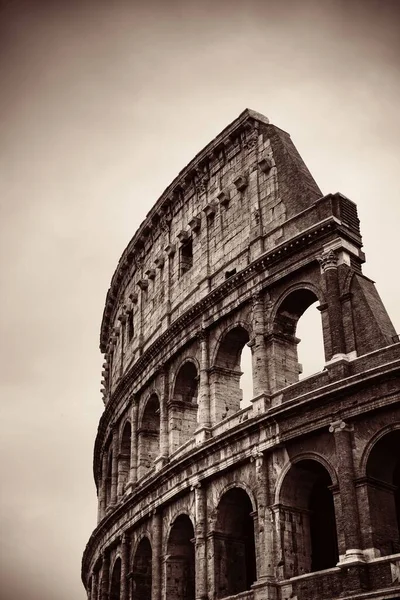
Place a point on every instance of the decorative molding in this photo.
(195, 224)
(328, 260)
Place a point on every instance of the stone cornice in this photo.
(155, 351)
(246, 121)
(326, 396)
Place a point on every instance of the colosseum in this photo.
(202, 495)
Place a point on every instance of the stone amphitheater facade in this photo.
(296, 495)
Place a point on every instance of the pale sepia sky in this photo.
(101, 104)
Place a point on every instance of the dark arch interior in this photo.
(180, 584)
(115, 588)
(149, 435)
(230, 349)
(383, 484)
(234, 544)
(125, 456)
(186, 383)
(141, 571)
(310, 543)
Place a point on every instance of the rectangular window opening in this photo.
(186, 256)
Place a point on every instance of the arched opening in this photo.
(124, 462)
(141, 571)
(307, 520)
(149, 436)
(234, 544)
(180, 563)
(183, 406)
(115, 585)
(227, 394)
(310, 349)
(383, 481)
(285, 340)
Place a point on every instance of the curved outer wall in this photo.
(201, 496)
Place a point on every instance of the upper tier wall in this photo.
(225, 209)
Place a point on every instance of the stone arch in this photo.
(124, 460)
(380, 490)
(304, 456)
(115, 580)
(180, 560)
(142, 569)
(225, 373)
(148, 435)
(237, 484)
(182, 407)
(285, 315)
(234, 543)
(306, 513)
(371, 443)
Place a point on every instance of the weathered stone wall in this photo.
(201, 497)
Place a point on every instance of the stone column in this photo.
(201, 541)
(114, 467)
(124, 590)
(203, 417)
(102, 486)
(329, 269)
(134, 427)
(157, 557)
(105, 577)
(259, 353)
(348, 497)
(164, 446)
(95, 585)
(265, 570)
(122, 319)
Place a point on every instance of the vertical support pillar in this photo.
(156, 560)
(164, 446)
(95, 585)
(122, 319)
(102, 487)
(329, 265)
(259, 355)
(124, 590)
(203, 416)
(265, 586)
(134, 428)
(114, 467)
(201, 541)
(170, 250)
(105, 576)
(348, 496)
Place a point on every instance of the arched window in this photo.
(285, 340)
(149, 436)
(383, 491)
(183, 406)
(141, 571)
(235, 554)
(307, 520)
(227, 395)
(115, 584)
(124, 458)
(180, 564)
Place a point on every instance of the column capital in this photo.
(202, 334)
(338, 426)
(328, 260)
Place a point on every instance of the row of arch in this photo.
(308, 516)
(230, 387)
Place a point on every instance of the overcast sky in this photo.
(101, 105)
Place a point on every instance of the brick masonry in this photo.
(201, 497)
